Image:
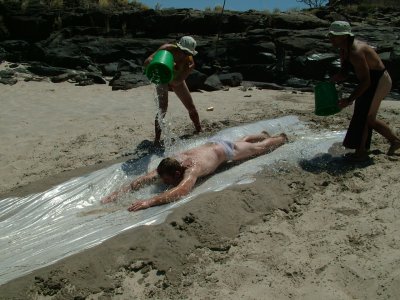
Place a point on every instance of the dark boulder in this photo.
(195, 80)
(213, 83)
(126, 81)
(43, 70)
(231, 79)
(7, 77)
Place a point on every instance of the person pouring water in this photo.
(183, 52)
(374, 85)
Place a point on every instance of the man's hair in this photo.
(169, 166)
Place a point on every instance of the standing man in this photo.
(183, 53)
(374, 85)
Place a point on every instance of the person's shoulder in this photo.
(361, 46)
(358, 49)
(168, 46)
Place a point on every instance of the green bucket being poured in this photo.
(326, 99)
(161, 69)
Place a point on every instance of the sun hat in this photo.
(187, 44)
(340, 28)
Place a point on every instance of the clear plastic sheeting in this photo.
(40, 229)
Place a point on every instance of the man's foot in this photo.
(198, 127)
(284, 136)
(394, 146)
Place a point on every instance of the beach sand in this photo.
(296, 232)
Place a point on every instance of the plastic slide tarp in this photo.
(39, 229)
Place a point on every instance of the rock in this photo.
(261, 85)
(256, 72)
(7, 77)
(41, 70)
(231, 79)
(296, 21)
(9, 81)
(63, 77)
(110, 69)
(195, 80)
(213, 83)
(96, 78)
(261, 46)
(314, 66)
(297, 82)
(126, 81)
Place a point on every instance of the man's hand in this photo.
(110, 198)
(344, 102)
(143, 204)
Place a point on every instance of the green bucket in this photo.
(161, 69)
(326, 99)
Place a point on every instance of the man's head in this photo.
(170, 171)
(339, 32)
(187, 44)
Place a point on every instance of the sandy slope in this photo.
(321, 230)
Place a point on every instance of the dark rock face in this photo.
(250, 46)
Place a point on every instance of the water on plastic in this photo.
(39, 229)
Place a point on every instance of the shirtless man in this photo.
(183, 170)
(374, 85)
(183, 53)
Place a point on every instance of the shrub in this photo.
(313, 3)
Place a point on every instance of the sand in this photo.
(298, 232)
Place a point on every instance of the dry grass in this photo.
(59, 4)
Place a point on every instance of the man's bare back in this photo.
(202, 160)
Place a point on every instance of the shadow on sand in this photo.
(333, 162)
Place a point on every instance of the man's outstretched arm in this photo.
(134, 185)
(184, 188)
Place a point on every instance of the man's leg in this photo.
(162, 95)
(384, 86)
(244, 150)
(255, 138)
(184, 95)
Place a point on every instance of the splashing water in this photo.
(170, 138)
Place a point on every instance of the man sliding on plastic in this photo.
(183, 170)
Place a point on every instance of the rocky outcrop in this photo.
(259, 46)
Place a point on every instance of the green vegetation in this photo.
(218, 8)
(276, 11)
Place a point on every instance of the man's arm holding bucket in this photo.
(344, 70)
(168, 47)
(361, 69)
